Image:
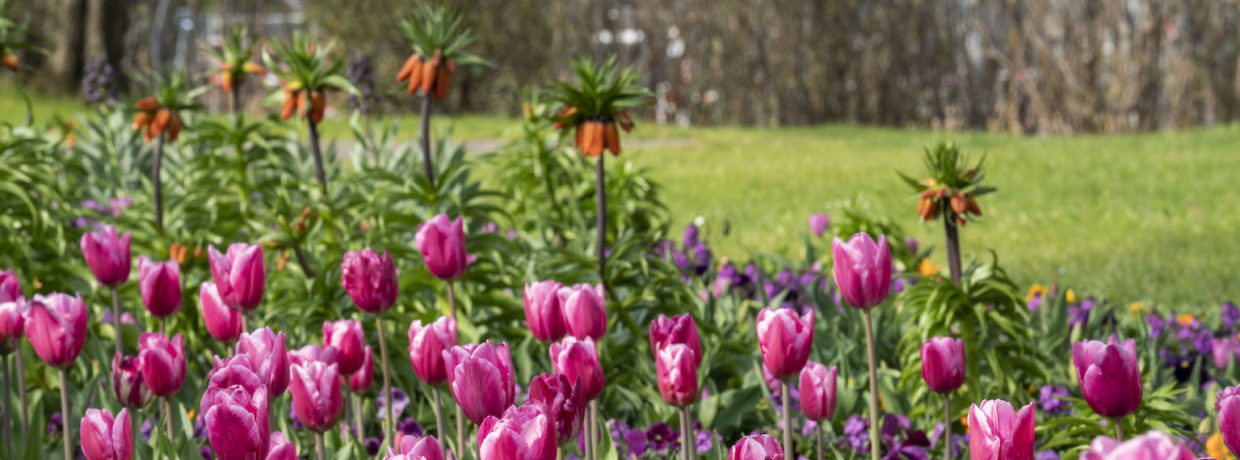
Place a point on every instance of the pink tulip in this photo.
(268, 356)
(524, 433)
(442, 244)
(817, 387)
(543, 313)
(222, 322)
(578, 360)
(162, 362)
(943, 364)
(107, 255)
(314, 353)
(585, 311)
(160, 286)
(481, 378)
(279, 448)
(360, 381)
(127, 384)
(347, 337)
(1228, 408)
(236, 422)
(562, 401)
(10, 288)
(862, 269)
(235, 371)
(1223, 349)
(1108, 374)
(756, 447)
(317, 398)
(426, 348)
(677, 329)
(818, 223)
(239, 275)
(370, 280)
(1153, 445)
(676, 369)
(412, 448)
(998, 432)
(105, 437)
(56, 328)
(785, 340)
(11, 326)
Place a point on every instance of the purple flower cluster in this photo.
(1049, 401)
(693, 257)
(658, 439)
(114, 209)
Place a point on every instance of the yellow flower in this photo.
(927, 268)
(1185, 319)
(1137, 308)
(1070, 296)
(1216, 449)
(1035, 291)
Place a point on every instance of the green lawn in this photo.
(1148, 217)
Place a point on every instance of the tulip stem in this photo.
(452, 299)
(159, 194)
(589, 434)
(318, 156)
(1119, 430)
(167, 409)
(318, 446)
(596, 436)
(600, 196)
(387, 381)
(357, 417)
(460, 430)
(819, 436)
(787, 396)
(438, 407)
(8, 408)
(953, 245)
(21, 390)
(684, 433)
(947, 426)
(65, 410)
(875, 446)
(116, 318)
(426, 139)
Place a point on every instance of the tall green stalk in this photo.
(875, 445)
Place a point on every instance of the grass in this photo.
(1137, 217)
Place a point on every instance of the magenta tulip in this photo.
(413, 448)
(998, 432)
(426, 348)
(578, 360)
(107, 255)
(677, 329)
(162, 362)
(370, 280)
(160, 286)
(127, 384)
(347, 337)
(360, 381)
(279, 448)
(562, 401)
(585, 311)
(817, 391)
(676, 369)
(267, 354)
(543, 313)
(1153, 445)
(239, 275)
(756, 447)
(105, 437)
(1108, 374)
(314, 353)
(818, 223)
(11, 326)
(942, 364)
(862, 269)
(785, 340)
(56, 328)
(235, 371)
(222, 322)
(1228, 408)
(10, 288)
(481, 378)
(524, 433)
(236, 422)
(442, 244)
(317, 399)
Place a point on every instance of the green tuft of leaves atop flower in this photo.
(233, 57)
(307, 74)
(952, 187)
(437, 28)
(597, 102)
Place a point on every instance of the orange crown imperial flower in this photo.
(429, 76)
(156, 120)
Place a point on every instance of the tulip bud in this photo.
(817, 391)
(676, 369)
(563, 402)
(370, 280)
(585, 312)
(578, 360)
(223, 323)
(107, 255)
(543, 313)
(360, 381)
(426, 348)
(785, 340)
(269, 358)
(56, 328)
(239, 275)
(1222, 349)
(481, 378)
(1153, 445)
(346, 337)
(1228, 408)
(160, 286)
(127, 384)
(105, 437)
(997, 431)
(818, 224)
(862, 269)
(756, 447)
(442, 244)
(1108, 374)
(943, 364)
(279, 448)
(677, 329)
(236, 422)
(317, 398)
(11, 325)
(412, 448)
(162, 362)
(10, 288)
(524, 433)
